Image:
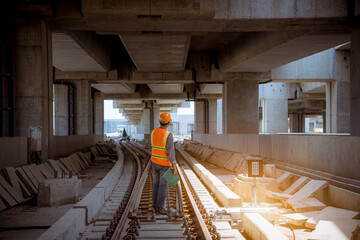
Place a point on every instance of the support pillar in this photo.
(200, 117)
(83, 107)
(156, 111)
(355, 84)
(240, 106)
(99, 113)
(61, 112)
(212, 116)
(340, 92)
(276, 107)
(33, 80)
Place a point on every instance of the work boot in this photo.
(161, 212)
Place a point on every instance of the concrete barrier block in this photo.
(53, 192)
(67, 227)
(92, 203)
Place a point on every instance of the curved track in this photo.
(134, 218)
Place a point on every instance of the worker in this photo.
(162, 157)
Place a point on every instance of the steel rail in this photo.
(198, 216)
(179, 200)
(134, 194)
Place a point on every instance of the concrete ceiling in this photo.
(166, 88)
(157, 53)
(69, 55)
(115, 88)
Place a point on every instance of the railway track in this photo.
(128, 214)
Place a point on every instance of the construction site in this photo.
(264, 99)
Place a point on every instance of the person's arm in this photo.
(170, 150)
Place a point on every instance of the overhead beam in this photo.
(80, 51)
(263, 51)
(152, 96)
(157, 52)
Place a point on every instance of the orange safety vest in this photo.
(159, 155)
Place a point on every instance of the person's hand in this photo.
(174, 169)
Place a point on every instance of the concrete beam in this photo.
(309, 104)
(80, 51)
(137, 112)
(157, 52)
(216, 75)
(111, 75)
(193, 9)
(161, 77)
(117, 104)
(315, 68)
(115, 88)
(153, 96)
(261, 52)
(277, 9)
(166, 88)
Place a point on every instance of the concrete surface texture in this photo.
(53, 192)
(240, 106)
(29, 216)
(337, 155)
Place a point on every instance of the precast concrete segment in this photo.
(106, 213)
(222, 227)
(257, 227)
(95, 199)
(223, 193)
(67, 227)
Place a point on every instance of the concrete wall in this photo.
(13, 151)
(62, 145)
(334, 154)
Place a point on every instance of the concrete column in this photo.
(355, 84)
(276, 107)
(156, 111)
(99, 113)
(145, 121)
(61, 112)
(199, 117)
(33, 80)
(340, 93)
(212, 115)
(241, 107)
(328, 113)
(83, 107)
(295, 123)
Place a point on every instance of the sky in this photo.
(113, 113)
(110, 112)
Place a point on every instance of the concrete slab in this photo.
(14, 180)
(11, 190)
(36, 172)
(7, 198)
(330, 214)
(299, 219)
(24, 179)
(330, 230)
(45, 171)
(305, 205)
(257, 227)
(30, 176)
(54, 165)
(67, 227)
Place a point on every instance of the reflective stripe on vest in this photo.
(159, 155)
